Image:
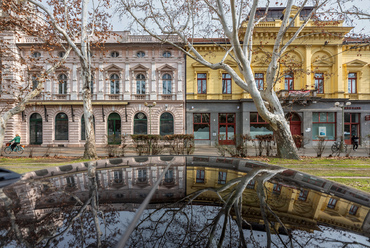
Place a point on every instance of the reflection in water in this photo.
(200, 202)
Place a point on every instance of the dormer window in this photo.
(167, 54)
(140, 54)
(114, 54)
(36, 55)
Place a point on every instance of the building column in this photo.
(100, 87)
(180, 95)
(153, 88)
(127, 89)
(74, 83)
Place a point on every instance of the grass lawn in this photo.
(346, 171)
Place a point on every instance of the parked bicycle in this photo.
(18, 149)
(338, 147)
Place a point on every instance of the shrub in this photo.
(147, 144)
(265, 142)
(180, 143)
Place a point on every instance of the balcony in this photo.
(61, 97)
(113, 97)
(167, 97)
(140, 97)
(300, 97)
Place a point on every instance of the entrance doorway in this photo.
(295, 124)
(114, 129)
(226, 129)
(351, 126)
(35, 129)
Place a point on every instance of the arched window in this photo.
(62, 84)
(35, 129)
(140, 124)
(83, 132)
(114, 129)
(114, 54)
(166, 127)
(140, 84)
(61, 127)
(167, 84)
(114, 84)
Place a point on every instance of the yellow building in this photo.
(320, 68)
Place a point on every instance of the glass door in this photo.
(351, 126)
(226, 129)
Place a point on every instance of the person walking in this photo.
(355, 140)
(17, 140)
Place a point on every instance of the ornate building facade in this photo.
(318, 71)
(138, 87)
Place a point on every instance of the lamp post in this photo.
(150, 106)
(338, 105)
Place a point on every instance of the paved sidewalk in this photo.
(199, 150)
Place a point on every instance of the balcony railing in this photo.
(298, 96)
(166, 96)
(140, 97)
(61, 97)
(113, 96)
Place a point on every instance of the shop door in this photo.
(114, 129)
(35, 129)
(226, 129)
(295, 125)
(351, 126)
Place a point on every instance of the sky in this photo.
(360, 26)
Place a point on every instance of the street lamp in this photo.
(150, 106)
(338, 105)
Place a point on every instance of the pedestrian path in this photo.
(199, 150)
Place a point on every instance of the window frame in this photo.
(202, 123)
(332, 203)
(114, 54)
(62, 84)
(353, 209)
(317, 82)
(222, 177)
(327, 122)
(142, 83)
(260, 81)
(202, 82)
(161, 124)
(263, 122)
(289, 81)
(58, 127)
(168, 83)
(36, 55)
(226, 82)
(303, 194)
(114, 84)
(352, 81)
(144, 119)
(140, 54)
(166, 54)
(200, 177)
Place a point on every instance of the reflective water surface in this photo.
(199, 202)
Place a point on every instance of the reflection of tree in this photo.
(80, 219)
(181, 225)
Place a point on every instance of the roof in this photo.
(276, 13)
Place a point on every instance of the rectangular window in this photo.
(201, 126)
(303, 195)
(222, 177)
(118, 177)
(276, 189)
(259, 126)
(319, 82)
(352, 83)
(289, 82)
(251, 184)
(202, 83)
(323, 125)
(353, 210)
(259, 78)
(200, 176)
(332, 202)
(142, 178)
(168, 177)
(226, 83)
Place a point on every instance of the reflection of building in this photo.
(130, 71)
(217, 106)
(296, 200)
(126, 180)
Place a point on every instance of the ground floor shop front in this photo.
(62, 123)
(212, 121)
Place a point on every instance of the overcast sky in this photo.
(360, 26)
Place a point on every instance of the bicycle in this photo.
(336, 147)
(18, 149)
